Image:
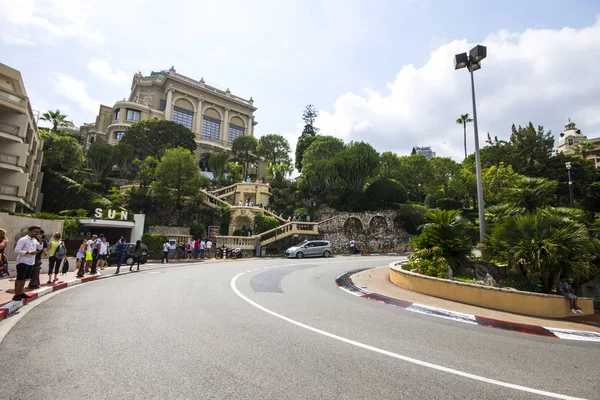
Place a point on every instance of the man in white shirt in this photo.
(26, 249)
(208, 248)
(166, 248)
(202, 248)
(95, 252)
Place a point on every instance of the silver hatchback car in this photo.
(310, 248)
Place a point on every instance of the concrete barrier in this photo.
(526, 303)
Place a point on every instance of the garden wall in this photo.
(526, 303)
(16, 227)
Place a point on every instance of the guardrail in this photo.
(227, 190)
(213, 201)
(9, 128)
(9, 159)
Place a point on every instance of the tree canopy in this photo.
(244, 151)
(153, 137)
(61, 152)
(274, 149)
(356, 164)
(101, 158)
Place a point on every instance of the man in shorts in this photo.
(208, 248)
(26, 249)
(89, 252)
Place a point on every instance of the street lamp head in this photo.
(478, 53)
(474, 67)
(568, 165)
(461, 60)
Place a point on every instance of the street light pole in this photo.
(568, 165)
(472, 62)
(480, 204)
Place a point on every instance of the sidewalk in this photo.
(377, 281)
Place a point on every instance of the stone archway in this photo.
(203, 163)
(353, 227)
(378, 224)
(241, 222)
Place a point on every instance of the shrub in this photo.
(448, 204)
(154, 242)
(385, 193)
(263, 223)
(197, 230)
(62, 193)
(80, 212)
(447, 231)
(430, 262)
(519, 282)
(299, 213)
(410, 217)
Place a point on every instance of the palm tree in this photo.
(530, 193)
(464, 120)
(56, 118)
(583, 148)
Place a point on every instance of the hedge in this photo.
(62, 193)
(386, 193)
(263, 223)
(154, 242)
(410, 217)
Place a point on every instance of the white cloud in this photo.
(52, 18)
(542, 76)
(15, 41)
(75, 90)
(103, 69)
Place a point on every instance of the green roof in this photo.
(155, 74)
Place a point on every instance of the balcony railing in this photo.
(9, 190)
(9, 128)
(9, 159)
(13, 98)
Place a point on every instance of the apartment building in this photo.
(214, 115)
(20, 146)
(426, 151)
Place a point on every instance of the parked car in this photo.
(311, 248)
(112, 258)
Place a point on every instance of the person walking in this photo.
(166, 248)
(103, 252)
(202, 248)
(26, 249)
(3, 260)
(89, 253)
(137, 255)
(53, 261)
(121, 250)
(80, 264)
(95, 253)
(196, 248)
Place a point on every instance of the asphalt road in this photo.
(286, 332)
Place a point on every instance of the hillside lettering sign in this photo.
(110, 214)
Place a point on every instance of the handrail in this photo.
(271, 213)
(226, 189)
(309, 228)
(213, 201)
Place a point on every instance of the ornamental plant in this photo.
(430, 262)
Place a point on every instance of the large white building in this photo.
(20, 146)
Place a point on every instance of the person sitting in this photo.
(564, 288)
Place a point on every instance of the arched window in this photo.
(236, 129)
(211, 124)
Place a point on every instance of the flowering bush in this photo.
(429, 262)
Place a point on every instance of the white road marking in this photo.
(438, 312)
(396, 355)
(575, 335)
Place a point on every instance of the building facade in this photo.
(426, 151)
(20, 146)
(571, 137)
(215, 116)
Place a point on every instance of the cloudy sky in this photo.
(380, 71)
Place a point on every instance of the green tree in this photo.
(543, 244)
(319, 162)
(309, 116)
(385, 193)
(530, 193)
(56, 118)
(449, 231)
(278, 172)
(217, 162)
(443, 170)
(153, 137)
(356, 164)
(303, 144)
(244, 151)
(414, 173)
(101, 158)
(532, 149)
(583, 148)
(223, 214)
(124, 156)
(234, 172)
(464, 120)
(178, 177)
(61, 153)
(263, 223)
(495, 179)
(274, 149)
(389, 165)
(146, 170)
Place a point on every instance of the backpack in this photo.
(61, 252)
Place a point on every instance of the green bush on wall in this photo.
(386, 193)
(154, 242)
(62, 193)
(263, 223)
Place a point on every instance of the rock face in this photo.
(374, 232)
(481, 269)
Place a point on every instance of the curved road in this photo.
(272, 329)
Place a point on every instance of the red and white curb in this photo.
(345, 283)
